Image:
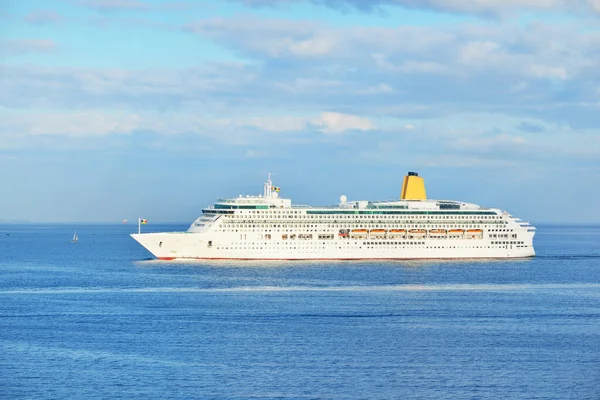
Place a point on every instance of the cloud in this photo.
(182, 5)
(472, 7)
(477, 52)
(91, 123)
(332, 122)
(275, 38)
(531, 127)
(439, 142)
(595, 5)
(400, 70)
(380, 88)
(85, 123)
(115, 5)
(536, 50)
(307, 40)
(408, 66)
(550, 72)
(494, 66)
(492, 142)
(300, 82)
(20, 47)
(102, 21)
(538, 71)
(44, 17)
(154, 88)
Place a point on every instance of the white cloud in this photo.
(538, 49)
(477, 52)
(267, 124)
(409, 66)
(313, 46)
(544, 71)
(501, 7)
(295, 70)
(332, 122)
(489, 142)
(380, 88)
(520, 86)
(101, 123)
(87, 123)
(475, 7)
(595, 5)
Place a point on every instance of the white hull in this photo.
(185, 245)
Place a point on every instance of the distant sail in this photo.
(124, 221)
(75, 237)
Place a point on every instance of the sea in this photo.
(101, 319)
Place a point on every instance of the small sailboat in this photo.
(75, 237)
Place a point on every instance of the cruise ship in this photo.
(270, 227)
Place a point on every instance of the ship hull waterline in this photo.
(191, 246)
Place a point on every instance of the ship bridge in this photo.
(269, 199)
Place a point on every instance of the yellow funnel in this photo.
(413, 187)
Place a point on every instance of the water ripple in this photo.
(483, 287)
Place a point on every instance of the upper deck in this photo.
(411, 200)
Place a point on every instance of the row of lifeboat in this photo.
(411, 232)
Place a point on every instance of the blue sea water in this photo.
(100, 319)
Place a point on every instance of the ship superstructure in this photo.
(268, 226)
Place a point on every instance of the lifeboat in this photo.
(455, 232)
(377, 232)
(474, 231)
(359, 232)
(417, 232)
(437, 232)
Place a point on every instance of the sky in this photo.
(119, 109)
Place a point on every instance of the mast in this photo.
(268, 187)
